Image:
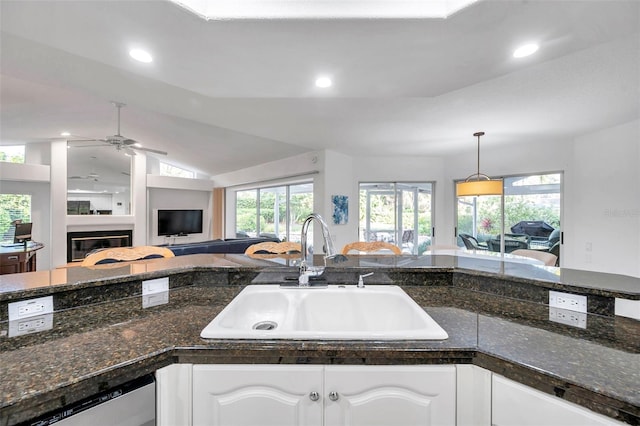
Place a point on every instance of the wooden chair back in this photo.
(285, 249)
(124, 254)
(371, 247)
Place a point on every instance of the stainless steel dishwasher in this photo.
(130, 404)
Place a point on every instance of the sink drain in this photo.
(265, 325)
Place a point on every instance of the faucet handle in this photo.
(361, 279)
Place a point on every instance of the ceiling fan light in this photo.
(479, 184)
(474, 188)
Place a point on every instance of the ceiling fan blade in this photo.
(89, 146)
(155, 151)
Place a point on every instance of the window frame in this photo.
(561, 173)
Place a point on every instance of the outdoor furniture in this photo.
(533, 228)
(471, 243)
(548, 258)
(555, 250)
(509, 244)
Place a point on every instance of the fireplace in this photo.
(81, 243)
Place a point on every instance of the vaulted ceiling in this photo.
(221, 95)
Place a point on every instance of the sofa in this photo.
(232, 245)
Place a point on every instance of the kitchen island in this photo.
(496, 314)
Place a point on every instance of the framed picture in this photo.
(340, 209)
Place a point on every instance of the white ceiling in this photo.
(224, 95)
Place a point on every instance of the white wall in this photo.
(178, 199)
(339, 181)
(603, 202)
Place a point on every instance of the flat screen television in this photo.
(179, 222)
(23, 232)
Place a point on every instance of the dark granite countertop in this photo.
(94, 347)
(495, 312)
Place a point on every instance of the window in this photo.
(12, 153)
(532, 207)
(276, 211)
(169, 170)
(12, 207)
(399, 213)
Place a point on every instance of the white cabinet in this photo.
(341, 395)
(323, 395)
(519, 405)
(390, 395)
(265, 395)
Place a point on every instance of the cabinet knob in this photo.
(334, 396)
(314, 396)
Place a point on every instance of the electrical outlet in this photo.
(567, 317)
(155, 299)
(572, 302)
(30, 325)
(31, 307)
(159, 285)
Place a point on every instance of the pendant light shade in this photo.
(479, 184)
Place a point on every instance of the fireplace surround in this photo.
(81, 243)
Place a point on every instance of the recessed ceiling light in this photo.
(65, 134)
(141, 55)
(137, 145)
(525, 50)
(323, 82)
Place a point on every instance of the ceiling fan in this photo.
(121, 143)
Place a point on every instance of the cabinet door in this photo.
(390, 395)
(514, 404)
(257, 395)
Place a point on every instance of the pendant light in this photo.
(477, 183)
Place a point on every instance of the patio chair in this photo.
(470, 242)
(555, 250)
(509, 245)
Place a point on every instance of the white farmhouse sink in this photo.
(338, 312)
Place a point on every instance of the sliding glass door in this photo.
(276, 211)
(532, 212)
(397, 212)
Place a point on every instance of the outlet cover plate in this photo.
(31, 307)
(567, 317)
(30, 325)
(155, 299)
(159, 285)
(572, 302)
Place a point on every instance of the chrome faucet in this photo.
(307, 271)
